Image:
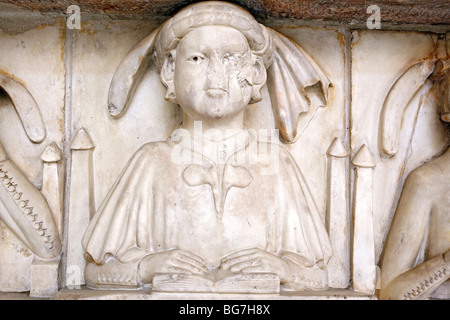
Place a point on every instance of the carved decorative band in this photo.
(26, 208)
(118, 279)
(426, 284)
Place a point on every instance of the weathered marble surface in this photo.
(86, 294)
(69, 72)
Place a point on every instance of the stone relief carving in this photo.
(226, 203)
(23, 208)
(416, 259)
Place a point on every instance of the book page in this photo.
(218, 280)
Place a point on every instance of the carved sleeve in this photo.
(112, 274)
(26, 212)
(401, 277)
(304, 241)
(302, 277)
(419, 282)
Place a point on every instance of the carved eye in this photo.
(197, 59)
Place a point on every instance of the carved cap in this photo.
(213, 13)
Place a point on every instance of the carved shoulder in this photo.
(426, 182)
(418, 182)
(154, 151)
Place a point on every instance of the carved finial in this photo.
(363, 158)
(337, 149)
(52, 153)
(82, 141)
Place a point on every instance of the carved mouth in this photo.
(216, 92)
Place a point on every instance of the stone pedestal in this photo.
(44, 278)
(86, 294)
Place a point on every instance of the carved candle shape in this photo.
(52, 182)
(81, 203)
(337, 216)
(364, 268)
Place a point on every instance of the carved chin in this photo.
(219, 106)
(217, 113)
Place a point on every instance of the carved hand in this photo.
(256, 260)
(171, 261)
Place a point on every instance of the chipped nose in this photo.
(217, 79)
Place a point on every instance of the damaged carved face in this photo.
(213, 71)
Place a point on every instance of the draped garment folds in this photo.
(256, 197)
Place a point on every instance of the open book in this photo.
(217, 281)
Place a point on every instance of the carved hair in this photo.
(292, 76)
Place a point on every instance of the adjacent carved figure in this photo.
(213, 198)
(22, 206)
(416, 260)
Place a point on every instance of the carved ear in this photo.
(167, 76)
(259, 79)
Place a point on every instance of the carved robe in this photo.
(255, 197)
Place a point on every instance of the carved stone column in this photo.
(52, 184)
(81, 205)
(44, 273)
(337, 216)
(364, 267)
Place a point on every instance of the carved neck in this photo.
(225, 127)
(211, 145)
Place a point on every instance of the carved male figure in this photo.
(416, 260)
(221, 208)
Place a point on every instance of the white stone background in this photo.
(69, 72)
